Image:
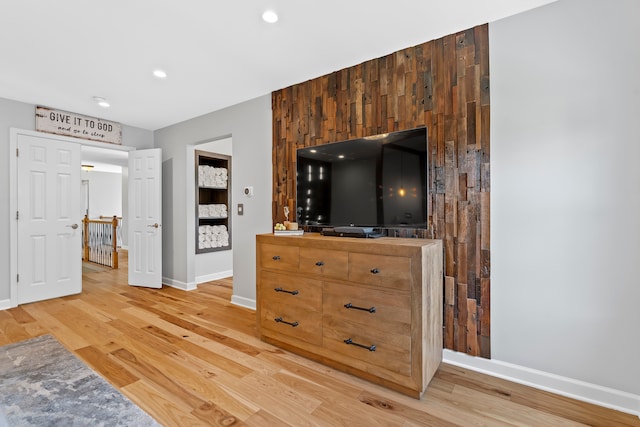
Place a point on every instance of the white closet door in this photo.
(49, 230)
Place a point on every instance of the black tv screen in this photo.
(378, 181)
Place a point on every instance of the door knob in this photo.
(74, 226)
(156, 225)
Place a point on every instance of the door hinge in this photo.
(17, 152)
(17, 215)
(17, 277)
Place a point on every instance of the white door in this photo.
(145, 218)
(49, 229)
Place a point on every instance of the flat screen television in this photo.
(378, 181)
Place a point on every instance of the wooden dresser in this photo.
(369, 307)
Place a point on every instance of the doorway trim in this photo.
(13, 195)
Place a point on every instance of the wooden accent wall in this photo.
(444, 85)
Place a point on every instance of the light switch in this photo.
(240, 209)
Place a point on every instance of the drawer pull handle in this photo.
(370, 310)
(320, 263)
(292, 324)
(349, 341)
(375, 271)
(276, 257)
(286, 291)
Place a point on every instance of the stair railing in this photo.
(100, 241)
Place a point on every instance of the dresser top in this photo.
(349, 243)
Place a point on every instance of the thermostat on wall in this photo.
(248, 191)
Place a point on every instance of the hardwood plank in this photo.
(212, 352)
(403, 411)
(101, 362)
(11, 330)
(479, 405)
(294, 368)
(225, 364)
(213, 383)
(280, 400)
(65, 333)
(209, 334)
(161, 405)
(144, 367)
(20, 315)
(545, 402)
(212, 414)
(265, 419)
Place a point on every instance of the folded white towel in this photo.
(217, 210)
(209, 176)
(213, 236)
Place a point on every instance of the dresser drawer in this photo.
(355, 319)
(380, 270)
(291, 305)
(296, 322)
(379, 309)
(327, 263)
(291, 290)
(279, 257)
(372, 346)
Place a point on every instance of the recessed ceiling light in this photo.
(161, 74)
(270, 16)
(101, 101)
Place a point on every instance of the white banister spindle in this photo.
(102, 242)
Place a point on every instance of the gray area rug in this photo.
(43, 384)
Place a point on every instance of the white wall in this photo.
(20, 115)
(105, 193)
(249, 126)
(565, 203)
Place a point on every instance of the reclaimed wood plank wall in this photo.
(443, 85)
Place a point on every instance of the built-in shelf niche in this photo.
(213, 201)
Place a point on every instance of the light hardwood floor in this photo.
(192, 358)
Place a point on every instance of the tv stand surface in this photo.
(369, 307)
(351, 231)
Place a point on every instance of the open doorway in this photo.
(104, 206)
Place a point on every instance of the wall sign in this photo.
(78, 126)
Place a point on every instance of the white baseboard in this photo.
(243, 302)
(178, 284)
(214, 276)
(194, 285)
(575, 389)
(5, 304)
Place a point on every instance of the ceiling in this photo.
(103, 159)
(61, 54)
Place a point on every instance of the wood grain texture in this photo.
(443, 85)
(194, 359)
(388, 306)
